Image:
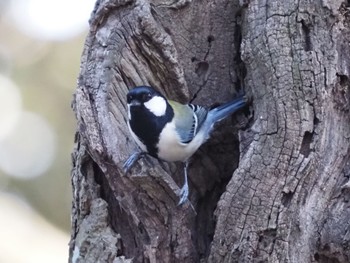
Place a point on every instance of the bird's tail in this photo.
(221, 112)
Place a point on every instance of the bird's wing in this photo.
(188, 119)
(201, 114)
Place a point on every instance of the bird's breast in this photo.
(145, 128)
(170, 147)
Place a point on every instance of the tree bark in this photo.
(276, 192)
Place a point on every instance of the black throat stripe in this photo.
(148, 126)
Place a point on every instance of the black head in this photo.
(141, 94)
(148, 113)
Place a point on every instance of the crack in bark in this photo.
(202, 68)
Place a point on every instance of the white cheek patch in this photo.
(156, 105)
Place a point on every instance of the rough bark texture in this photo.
(279, 195)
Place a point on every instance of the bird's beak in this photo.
(134, 103)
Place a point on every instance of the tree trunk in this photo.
(277, 192)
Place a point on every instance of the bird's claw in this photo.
(184, 197)
(184, 190)
(183, 194)
(130, 162)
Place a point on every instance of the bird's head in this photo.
(143, 97)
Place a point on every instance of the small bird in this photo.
(171, 131)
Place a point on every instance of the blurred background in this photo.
(40, 46)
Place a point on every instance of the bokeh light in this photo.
(40, 46)
(51, 20)
(10, 106)
(29, 149)
(29, 238)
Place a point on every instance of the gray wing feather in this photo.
(198, 117)
(188, 120)
(201, 114)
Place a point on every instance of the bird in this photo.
(171, 131)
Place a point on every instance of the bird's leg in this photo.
(132, 160)
(184, 190)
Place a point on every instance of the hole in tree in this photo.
(316, 121)
(317, 257)
(210, 38)
(287, 198)
(202, 68)
(210, 181)
(305, 145)
(307, 37)
(343, 79)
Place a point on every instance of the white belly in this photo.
(170, 148)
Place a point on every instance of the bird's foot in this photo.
(184, 197)
(130, 162)
(183, 194)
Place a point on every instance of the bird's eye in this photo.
(147, 96)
